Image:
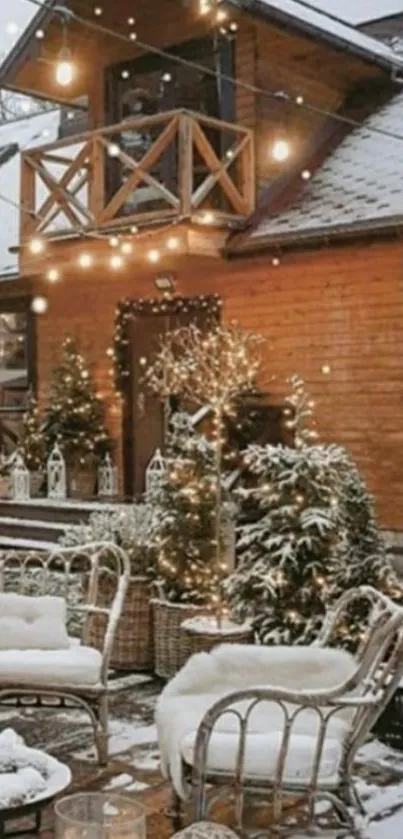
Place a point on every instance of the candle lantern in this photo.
(56, 471)
(99, 816)
(107, 478)
(155, 471)
(20, 480)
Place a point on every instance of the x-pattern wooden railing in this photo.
(174, 164)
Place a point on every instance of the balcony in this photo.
(151, 170)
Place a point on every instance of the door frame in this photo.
(127, 310)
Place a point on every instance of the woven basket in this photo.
(171, 646)
(5, 487)
(133, 643)
(201, 640)
(36, 480)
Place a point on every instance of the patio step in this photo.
(40, 523)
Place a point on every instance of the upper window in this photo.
(16, 359)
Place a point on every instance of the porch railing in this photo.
(177, 164)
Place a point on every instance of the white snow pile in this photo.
(27, 775)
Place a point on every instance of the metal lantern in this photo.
(155, 471)
(56, 469)
(20, 480)
(107, 478)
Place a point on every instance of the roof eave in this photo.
(306, 238)
(288, 20)
(26, 45)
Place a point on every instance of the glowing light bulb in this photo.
(36, 245)
(125, 74)
(221, 16)
(39, 305)
(208, 218)
(40, 34)
(127, 247)
(53, 275)
(116, 262)
(306, 174)
(133, 36)
(98, 11)
(64, 69)
(114, 241)
(275, 261)
(113, 150)
(134, 229)
(280, 150)
(85, 260)
(153, 256)
(173, 243)
(326, 369)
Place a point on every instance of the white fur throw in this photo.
(207, 677)
(32, 623)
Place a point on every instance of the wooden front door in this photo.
(143, 416)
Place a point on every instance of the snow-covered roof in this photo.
(327, 27)
(359, 11)
(24, 133)
(360, 184)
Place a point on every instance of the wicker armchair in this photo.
(289, 773)
(78, 675)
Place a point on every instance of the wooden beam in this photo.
(185, 164)
(76, 164)
(203, 190)
(215, 165)
(27, 199)
(61, 196)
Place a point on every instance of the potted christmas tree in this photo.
(32, 446)
(74, 419)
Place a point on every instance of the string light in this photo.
(306, 174)
(116, 262)
(208, 217)
(275, 261)
(53, 275)
(113, 150)
(153, 256)
(39, 305)
(173, 243)
(326, 369)
(280, 150)
(40, 34)
(98, 11)
(85, 260)
(126, 247)
(36, 245)
(114, 241)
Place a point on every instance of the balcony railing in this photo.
(145, 170)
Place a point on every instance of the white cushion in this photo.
(263, 744)
(29, 623)
(74, 666)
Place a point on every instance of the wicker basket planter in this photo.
(5, 487)
(81, 483)
(133, 644)
(203, 633)
(171, 645)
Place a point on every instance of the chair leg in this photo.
(101, 732)
(176, 812)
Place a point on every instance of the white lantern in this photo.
(155, 471)
(107, 478)
(56, 469)
(20, 480)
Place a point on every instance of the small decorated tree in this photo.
(209, 369)
(184, 501)
(74, 417)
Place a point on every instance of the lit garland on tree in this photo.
(315, 536)
(32, 443)
(74, 417)
(184, 502)
(210, 369)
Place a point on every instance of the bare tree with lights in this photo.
(208, 369)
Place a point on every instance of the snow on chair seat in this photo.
(44, 599)
(77, 665)
(218, 731)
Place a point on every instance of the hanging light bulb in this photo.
(53, 275)
(65, 70)
(280, 150)
(36, 245)
(39, 305)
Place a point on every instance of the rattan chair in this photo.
(61, 678)
(360, 700)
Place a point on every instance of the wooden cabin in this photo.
(169, 182)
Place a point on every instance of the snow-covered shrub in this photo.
(131, 527)
(314, 536)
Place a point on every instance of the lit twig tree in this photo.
(208, 369)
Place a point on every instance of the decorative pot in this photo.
(81, 482)
(133, 647)
(203, 633)
(36, 480)
(5, 487)
(171, 645)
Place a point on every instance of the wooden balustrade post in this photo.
(247, 174)
(97, 177)
(185, 164)
(28, 222)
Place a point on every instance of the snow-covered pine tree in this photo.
(315, 536)
(32, 443)
(184, 503)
